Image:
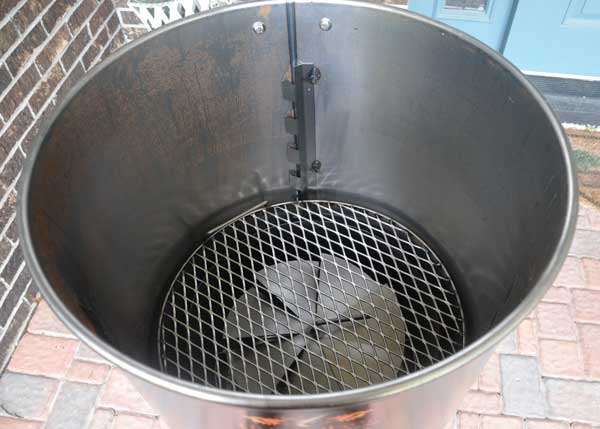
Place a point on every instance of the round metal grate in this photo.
(308, 297)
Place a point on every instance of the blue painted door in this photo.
(547, 36)
(556, 36)
(484, 19)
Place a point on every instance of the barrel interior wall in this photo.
(167, 136)
(434, 127)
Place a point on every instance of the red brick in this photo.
(101, 15)
(469, 421)
(42, 355)
(560, 359)
(17, 423)
(53, 49)
(45, 322)
(591, 268)
(56, 12)
(28, 12)
(545, 424)
(72, 79)
(590, 347)
(13, 297)
(482, 402)
(81, 14)
(5, 78)
(557, 294)
(113, 24)
(11, 233)
(5, 248)
(7, 177)
(87, 372)
(29, 138)
(6, 211)
(8, 36)
(120, 394)
(36, 36)
(18, 92)
(117, 41)
(95, 48)
(130, 18)
(587, 305)
(6, 6)
(133, 33)
(489, 379)
(13, 265)
(12, 333)
(527, 338)
(501, 422)
(15, 131)
(75, 49)
(571, 274)
(554, 321)
(46, 87)
(126, 421)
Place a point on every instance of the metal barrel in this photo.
(325, 128)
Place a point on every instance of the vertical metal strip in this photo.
(306, 77)
(290, 13)
(300, 90)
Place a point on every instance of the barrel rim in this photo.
(362, 395)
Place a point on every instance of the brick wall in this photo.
(130, 23)
(45, 47)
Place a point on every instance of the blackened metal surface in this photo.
(439, 130)
(184, 125)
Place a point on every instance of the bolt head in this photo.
(316, 166)
(259, 27)
(325, 24)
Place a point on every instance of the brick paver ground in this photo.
(545, 375)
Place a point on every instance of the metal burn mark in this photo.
(265, 11)
(355, 419)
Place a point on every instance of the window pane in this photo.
(466, 4)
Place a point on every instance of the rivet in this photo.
(325, 24)
(259, 27)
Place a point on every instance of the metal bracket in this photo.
(303, 153)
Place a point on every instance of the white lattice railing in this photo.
(154, 15)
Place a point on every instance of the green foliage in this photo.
(586, 160)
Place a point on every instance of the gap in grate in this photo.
(308, 297)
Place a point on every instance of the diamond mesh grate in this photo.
(308, 297)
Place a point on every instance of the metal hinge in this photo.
(302, 153)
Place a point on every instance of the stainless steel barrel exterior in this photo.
(184, 129)
(423, 405)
